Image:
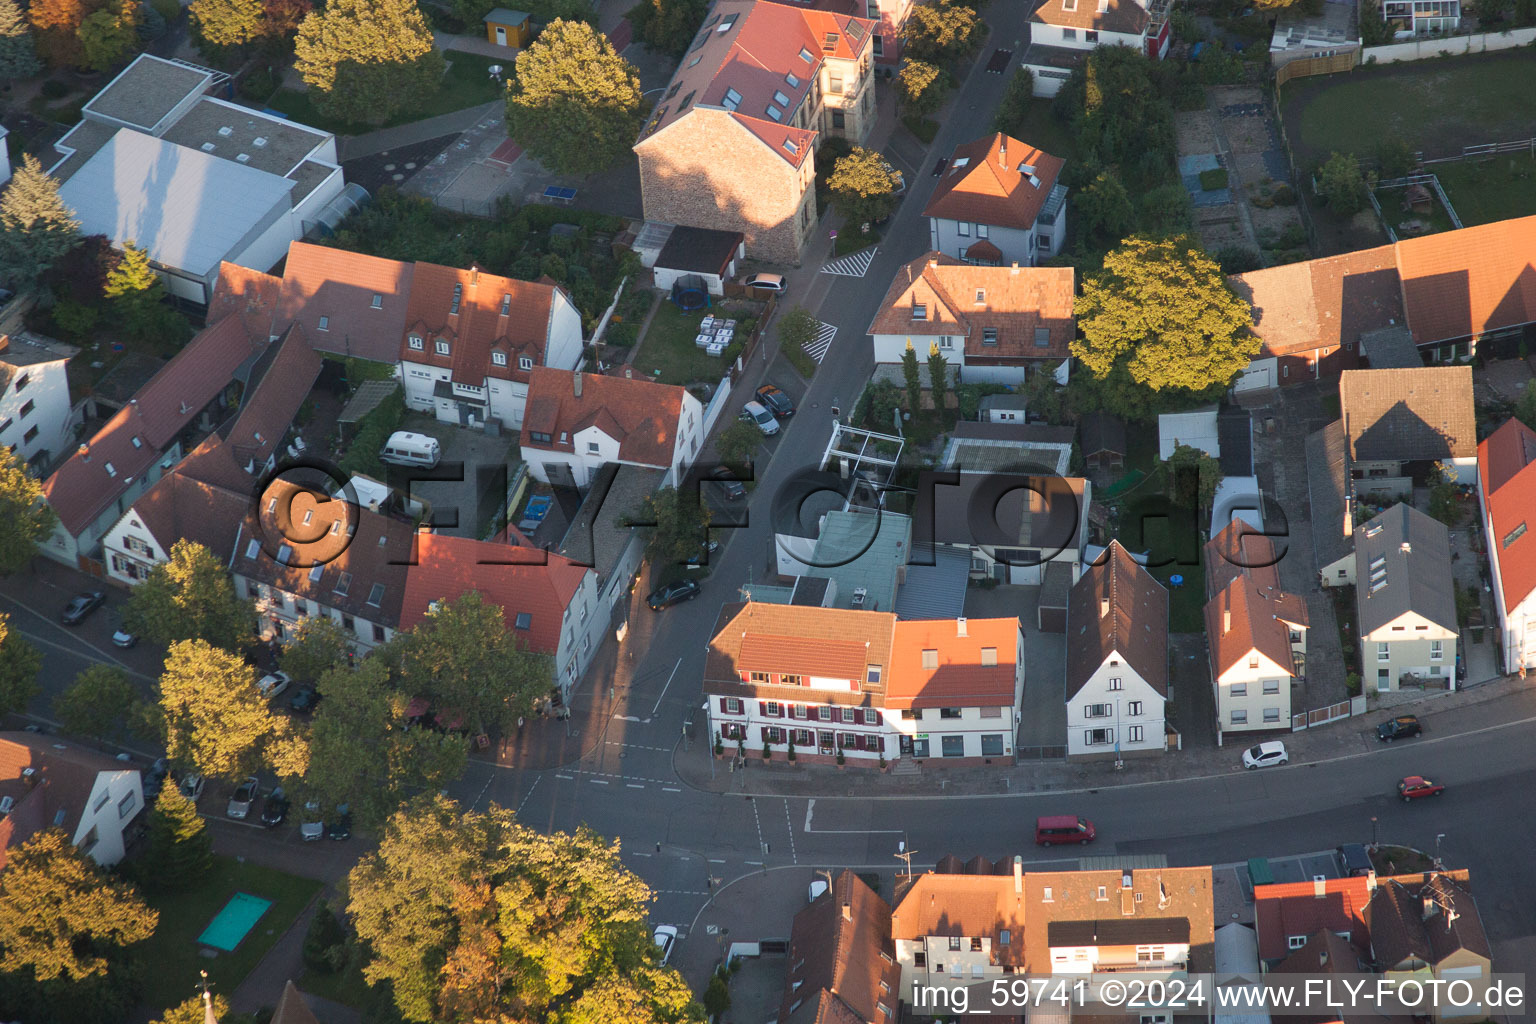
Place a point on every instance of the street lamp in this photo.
(1438, 836)
(1373, 830)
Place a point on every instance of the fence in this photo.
(1486, 149)
(515, 492)
(1413, 179)
(716, 404)
(1331, 713)
(602, 325)
(1302, 207)
(1303, 67)
(756, 337)
(1448, 46)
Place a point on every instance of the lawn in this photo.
(466, 83)
(1484, 191)
(667, 352)
(1403, 220)
(173, 952)
(1150, 523)
(1436, 106)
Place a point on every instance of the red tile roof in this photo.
(1322, 303)
(1296, 908)
(65, 776)
(1471, 281)
(834, 643)
(1506, 469)
(1247, 608)
(1124, 16)
(478, 328)
(986, 183)
(183, 505)
(960, 676)
(250, 294)
(795, 655)
(1117, 607)
(842, 960)
(519, 580)
(338, 287)
(640, 414)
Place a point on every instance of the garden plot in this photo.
(1256, 160)
(1218, 223)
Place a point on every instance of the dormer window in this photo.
(315, 573)
(919, 311)
(506, 304)
(252, 547)
(981, 296)
(415, 342)
(525, 362)
(378, 301)
(442, 346)
(499, 358)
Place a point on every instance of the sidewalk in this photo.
(1444, 715)
(355, 146)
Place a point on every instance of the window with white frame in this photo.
(1436, 650)
(1271, 714)
(981, 230)
(1098, 711)
(1239, 689)
(499, 358)
(1136, 734)
(442, 346)
(1097, 737)
(963, 228)
(1383, 652)
(1116, 683)
(1271, 686)
(1133, 708)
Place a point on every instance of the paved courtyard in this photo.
(464, 507)
(1043, 715)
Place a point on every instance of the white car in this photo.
(313, 825)
(192, 786)
(666, 940)
(757, 412)
(273, 684)
(1265, 754)
(245, 795)
(767, 282)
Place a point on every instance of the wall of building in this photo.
(277, 614)
(1120, 722)
(1016, 244)
(131, 551)
(114, 801)
(47, 388)
(1078, 39)
(1409, 650)
(1254, 702)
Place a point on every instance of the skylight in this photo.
(790, 147)
(775, 113)
(805, 55)
(732, 99)
(780, 99)
(794, 83)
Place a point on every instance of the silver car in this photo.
(757, 412)
(245, 795)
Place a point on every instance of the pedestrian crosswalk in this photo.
(817, 349)
(854, 265)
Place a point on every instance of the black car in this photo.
(154, 778)
(777, 401)
(304, 700)
(340, 827)
(81, 606)
(274, 810)
(673, 593)
(730, 486)
(938, 168)
(1399, 728)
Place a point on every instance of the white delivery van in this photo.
(407, 449)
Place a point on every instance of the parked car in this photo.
(154, 778)
(776, 400)
(123, 638)
(665, 938)
(901, 179)
(767, 282)
(817, 888)
(313, 826)
(707, 548)
(1355, 860)
(757, 413)
(192, 786)
(80, 606)
(732, 488)
(245, 795)
(1399, 728)
(304, 700)
(673, 593)
(1417, 787)
(272, 684)
(340, 827)
(274, 810)
(1270, 752)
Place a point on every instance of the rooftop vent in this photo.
(243, 158)
(226, 131)
(259, 142)
(208, 147)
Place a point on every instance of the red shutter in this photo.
(781, 712)
(762, 707)
(724, 706)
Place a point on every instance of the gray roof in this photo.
(270, 144)
(1329, 493)
(1009, 400)
(78, 145)
(502, 16)
(598, 535)
(860, 549)
(189, 209)
(1234, 433)
(997, 510)
(988, 447)
(1403, 564)
(1390, 347)
(935, 584)
(147, 91)
(699, 250)
(1102, 433)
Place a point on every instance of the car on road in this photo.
(192, 786)
(665, 938)
(313, 826)
(669, 594)
(272, 684)
(1417, 787)
(776, 400)
(1355, 860)
(938, 168)
(303, 700)
(274, 810)
(757, 413)
(80, 606)
(702, 558)
(123, 638)
(1270, 752)
(1399, 728)
(767, 282)
(245, 795)
(730, 486)
(1055, 829)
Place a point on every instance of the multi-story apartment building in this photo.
(35, 412)
(730, 143)
(999, 202)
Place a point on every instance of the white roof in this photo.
(187, 208)
(1196, 428)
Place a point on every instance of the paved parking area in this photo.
(467, 506)
(1043, 721)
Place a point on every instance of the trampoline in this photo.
(231, 925)
(690, 292)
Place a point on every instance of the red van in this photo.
(1063, 828)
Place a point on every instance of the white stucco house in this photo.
(36, 417)
(47, 783)
(1405, 599)
(1506, 464)
(999, 202)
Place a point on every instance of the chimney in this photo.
(1002, 152)
(1226, 621)
(960, 627)
(474, 275)
(1430, 907)
(576, 383)
(934, 262)
(1015, 271)
(629, 373)
(1322, 957)
(1018, 874)
(1407, 548)
(1320, 886)
(1103, 607)
(85, 451)
(847, 911)
(1370, 880)
(29, 777)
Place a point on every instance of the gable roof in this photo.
(1124, 16)
(1102, 432)
(1330, 493)
(65, 776)
(250, 294)
(1470, 281)
(959, 677)
(338, 287)
(1429, 924)
(832, 643)
(1506, 468)
(1117, 607)
(1240, 550)
(182, 506)
(986, 182)
(1322, 303)
(699, 250)
(1403, 564)
(1247, 609)
(985, 906)
(842, 960)
(1289, 909)
(291, 1007)
(520, 580)
(1161, 904)
(1018, 303)
(478, 327)
(640, 414)
(1420, 413)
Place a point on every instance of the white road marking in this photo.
(810, 809)
(664, 687)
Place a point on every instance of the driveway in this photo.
(469, 487)
(1043, 714)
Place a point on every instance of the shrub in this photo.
(170, 10)
(325, 944)
(1293, 237)
(258, 84)
(1237, 259)
(1342, 185)
(1213, 179)
(1284, 195)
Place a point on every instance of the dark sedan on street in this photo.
(80, 606)
(673, 593)
(777, 401)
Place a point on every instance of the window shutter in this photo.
(725, 708)
(762, 708)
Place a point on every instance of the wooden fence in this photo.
(1305, 67)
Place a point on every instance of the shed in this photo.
(1195, 428)
(701, 252)
(1103, 440)
(508, 28)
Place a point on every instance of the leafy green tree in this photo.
(61, 914)
(109, 35)
(1165, 210)
(18, 55)
(938, 378)
(316, 646)
(368, 60)
(97, 703)
(1395, 157)
(737, 442)
(192, 1011)
(56, 28)
(797, 329)
(913, 376)
(189, 597)
(462, 657)
(1119, 116)
(677, 525)
(19, 665)
(717, 996)
(477, 917)
(1104, 208)
(1042, 396)
(180, 848)
(863, 188)
(941, 32)
(226, 23)
(668, 26)
(216, 722)
(1013, 112)
(922, 86)
(1342, 184)
(25, 519)
(36, 229)
(1195, 477)
(1161, 308)
(325, 944)
(574, 103)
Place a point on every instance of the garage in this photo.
(699, 252)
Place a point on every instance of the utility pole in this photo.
(1438, 836)
(905, 856)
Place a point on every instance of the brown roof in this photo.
(252, 295)
(970, 906)
(65, 776)
(1327, 953)
(1429, 924)
(1175, 902)
(1322, 303)
(842, 960)
(1125, 16)
(1471, 281)
(181, 506)
(321, 282)
(1240, 550)
(986, 182)
(960, 299)
(834, 643)
(960, 676)
(1421, 413)
(1241, 619)
(1288, 909)
(1116, 607)
(478, 328)
(640, 414)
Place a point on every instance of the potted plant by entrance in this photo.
(767, 751)
(840, 758)
(791, 750)
(719, 745)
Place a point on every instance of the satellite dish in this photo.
(494, 69)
